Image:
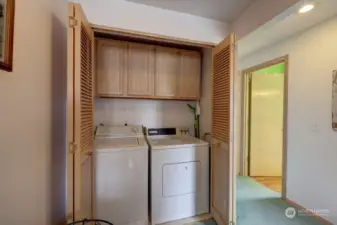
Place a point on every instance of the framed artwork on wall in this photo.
(334, 100)
(7, 10)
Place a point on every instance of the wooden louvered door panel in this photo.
(83, 116)
(70, 117)
(222, 149)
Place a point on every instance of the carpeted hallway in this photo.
(258, 205)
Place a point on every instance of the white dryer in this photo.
(121, 175)
(179, 175)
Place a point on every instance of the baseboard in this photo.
(308, 212)
(190, 220)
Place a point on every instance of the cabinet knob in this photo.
(88, 153)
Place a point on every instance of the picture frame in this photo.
(7, 11)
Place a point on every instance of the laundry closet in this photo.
(119, 81)
(131, 71)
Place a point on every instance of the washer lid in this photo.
(120, 143)
(118, 131)
(175, 142)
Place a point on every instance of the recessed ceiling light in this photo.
(306, 8)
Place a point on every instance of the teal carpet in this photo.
(258, 205)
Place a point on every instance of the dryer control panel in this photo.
(168, 131)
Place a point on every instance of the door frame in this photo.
(246, 111)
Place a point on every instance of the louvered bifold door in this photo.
(83, 115)
(70, 116)
(222, 149)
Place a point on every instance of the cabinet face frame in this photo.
(151, 37)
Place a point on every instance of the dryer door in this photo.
(181, 178)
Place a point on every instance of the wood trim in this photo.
(245, 125)
(7, 64)
(217, 217)
(224, 43)
(79, 13)
(249, 122)
(211, 176)
(190, 220)
(246, 72)
(285, 127)
(77, 115)
(232, 143)
(308, 212)
(70, 117)
(148, 98)
(266, 64)
(151, 36)
(243, 136)
(92, 163)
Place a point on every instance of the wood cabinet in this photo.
(130, 70)
(167, 72)
(110, 68)
(189, 76)
(140, 70)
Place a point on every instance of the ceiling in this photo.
(286, 25)
(221, 10)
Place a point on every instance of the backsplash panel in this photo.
(150, 113)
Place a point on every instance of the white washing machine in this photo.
(179, 175)
(121, 175)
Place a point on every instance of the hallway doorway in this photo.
(261, 186)
(265, 125)
(264, 107)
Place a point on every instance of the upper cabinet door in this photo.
(190, 73)
(140, 70)
(110, 68)
(167, 70)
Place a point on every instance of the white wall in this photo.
(312, 144)
(150, 113)
(138, 17)
(33, 113)
(257, 14)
